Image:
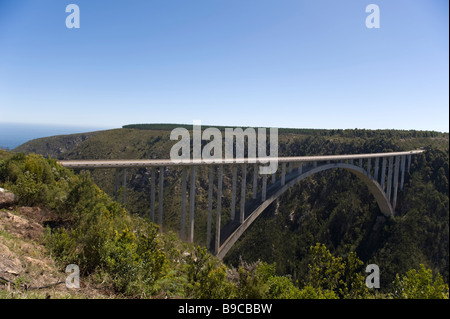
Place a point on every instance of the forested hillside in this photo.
(332, 208)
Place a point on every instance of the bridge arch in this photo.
(373, 186)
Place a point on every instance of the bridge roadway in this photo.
(383, 173)
(102, 163)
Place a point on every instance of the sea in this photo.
(13, 134)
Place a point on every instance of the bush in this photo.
(123, 249)
(207, 277)
(36, 181)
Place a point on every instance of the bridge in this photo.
(382, 173)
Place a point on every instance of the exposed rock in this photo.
(20, 227)
(10, 265)
(7, 199)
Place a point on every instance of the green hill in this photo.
(332, 208)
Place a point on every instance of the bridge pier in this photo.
(161, 198)
(219, 209)
(383, 173)
(192, 205)
(375, 174)
(264, 188)
(233, 191)
(255, 181)
(116, 196)
(243, 189)
(124, 199)
(402, 180)
(152, 194)
(210, 196)
(396, 171)
(183, 202)
(389, 180)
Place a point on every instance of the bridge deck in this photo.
(191, 162)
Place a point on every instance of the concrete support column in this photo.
(264, 187)
(300, 168)
(314, 164)
(383, 173)
(290, 167)
(389, 180)
(409, 162)
(192, 205)
(255, 181)
(369, 163)
(396, 171)
(210, 196)
(116, 197)
(161, 197)
(402, 178)
(274, 177)
(360, 162)
(219, 208)
(124, 186)
(183, 203)
(233, 191)
(152, 195)
(243, 188)
(283, 173)
(375, 174)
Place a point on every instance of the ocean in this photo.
(13, 135)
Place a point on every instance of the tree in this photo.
(342, 277)
(419, 284)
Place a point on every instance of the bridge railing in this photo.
(108, 163)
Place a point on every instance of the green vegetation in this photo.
(419, 284)
(274, 256)
(351, 133)
(128, 255)
(336, 209)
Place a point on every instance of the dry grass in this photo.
(26, 266)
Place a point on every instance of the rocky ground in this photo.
(26, 268)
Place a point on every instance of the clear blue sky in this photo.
(269, 63)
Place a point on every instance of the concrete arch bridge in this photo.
(382, 173)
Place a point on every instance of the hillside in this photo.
(152, 141)
(53, 218)
(332, 208)
(27, 269)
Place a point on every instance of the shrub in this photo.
(207, 277)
